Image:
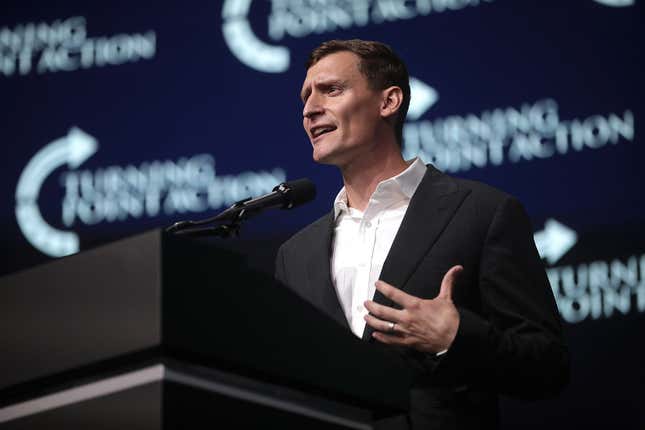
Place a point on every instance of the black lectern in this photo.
(160, 332)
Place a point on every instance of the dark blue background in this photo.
(195, 97)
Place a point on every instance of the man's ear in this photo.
(391, 101)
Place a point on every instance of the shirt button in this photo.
(368, 224)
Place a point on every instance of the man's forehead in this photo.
(331, 66)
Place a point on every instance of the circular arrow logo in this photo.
(616, 3)
(243, 43)
(72, 150)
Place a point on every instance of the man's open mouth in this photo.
(320, 130)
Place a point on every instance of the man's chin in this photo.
(323, 157)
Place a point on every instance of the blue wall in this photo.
(118, 119)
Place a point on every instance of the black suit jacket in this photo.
(509, 339)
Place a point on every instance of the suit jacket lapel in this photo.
(431, 208)
(319, 273)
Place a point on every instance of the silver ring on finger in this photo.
(390, 327)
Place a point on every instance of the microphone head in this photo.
(296, 192)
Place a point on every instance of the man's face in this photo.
(341, 113)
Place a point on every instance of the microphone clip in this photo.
(199, 228)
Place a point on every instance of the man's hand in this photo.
(425, 325)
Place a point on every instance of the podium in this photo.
(156, 332)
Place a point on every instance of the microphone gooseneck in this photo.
(286, 195)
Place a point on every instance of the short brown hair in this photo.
(379, 64)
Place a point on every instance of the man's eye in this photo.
(333, 89)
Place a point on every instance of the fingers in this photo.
(388, 327)
(384, 326)
(392, 339)
(394, 294)
(384, 312)
(448, 282)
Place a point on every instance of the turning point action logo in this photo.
(119, 193)
(301, 18)
(590, 290)
(64, 46)
(502, 135)
(599, 289)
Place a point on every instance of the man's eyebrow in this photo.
(322, 83)
(331, 81)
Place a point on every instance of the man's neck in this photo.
(363, 175)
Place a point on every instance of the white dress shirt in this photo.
(362, 240)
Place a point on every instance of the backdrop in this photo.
(118, 119)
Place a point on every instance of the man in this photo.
(442, 269)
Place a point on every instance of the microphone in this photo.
(286, 195)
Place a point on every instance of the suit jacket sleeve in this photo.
(514, 345)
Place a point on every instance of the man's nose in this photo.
(312, 108)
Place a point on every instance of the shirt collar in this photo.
(405, 184)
